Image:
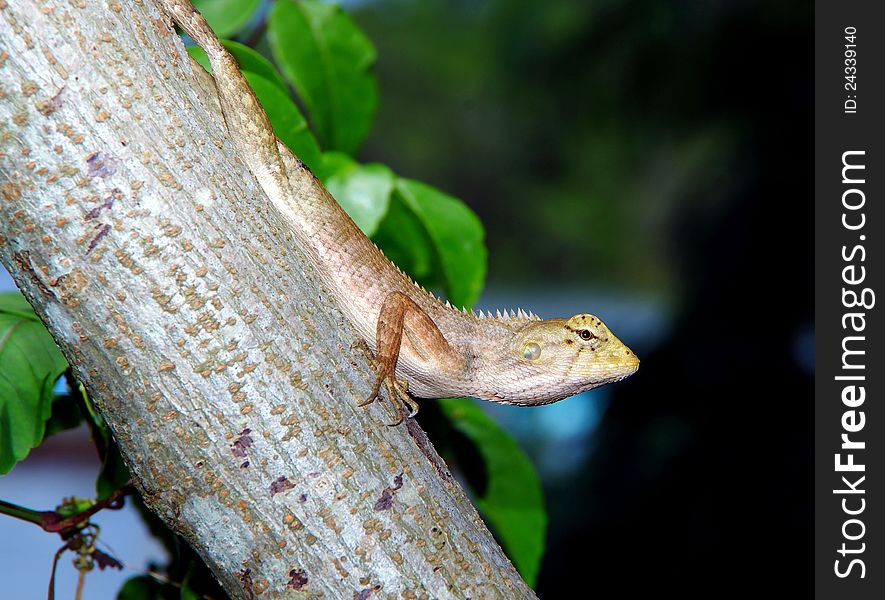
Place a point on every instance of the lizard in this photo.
(423, 347)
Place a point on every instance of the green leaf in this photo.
(328, 61)
(288, 123)
(404, 240)
(333, 163)
(140, 588)
(187, 591)
(199, 55)
(513, 502)
(248, 60)
(30, 363)
(457, 235)
(227, 17)
(362, 190)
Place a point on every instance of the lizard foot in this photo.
(397, 390)
(400, 390)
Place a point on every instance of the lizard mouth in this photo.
(631, 366)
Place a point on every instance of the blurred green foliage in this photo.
(30, 363)
(511, 498)
(577, 130)
(328, 60)
(364, 190)
(227, 16)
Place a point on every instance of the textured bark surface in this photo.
(175, 291)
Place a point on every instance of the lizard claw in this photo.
(404, 395)
(400, 389)
(396, 390)
(374, 395)
(390, 383)
(398, 393)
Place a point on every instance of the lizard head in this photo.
(557, 358)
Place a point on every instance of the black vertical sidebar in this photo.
(849, 559)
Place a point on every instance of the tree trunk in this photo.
(174, 289)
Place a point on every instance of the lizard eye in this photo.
(586, 334)
(531, 351)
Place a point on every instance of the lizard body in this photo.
(423, 346)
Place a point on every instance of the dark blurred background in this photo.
(649, 161)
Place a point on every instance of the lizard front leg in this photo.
(401, 317)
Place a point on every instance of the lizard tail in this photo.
(194, 24)
(250, 129)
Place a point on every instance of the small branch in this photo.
(20, 512)
(51, 594)
(81, 579)
(53, 522)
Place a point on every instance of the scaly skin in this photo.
(422, 344)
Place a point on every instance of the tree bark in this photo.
(175, 291)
